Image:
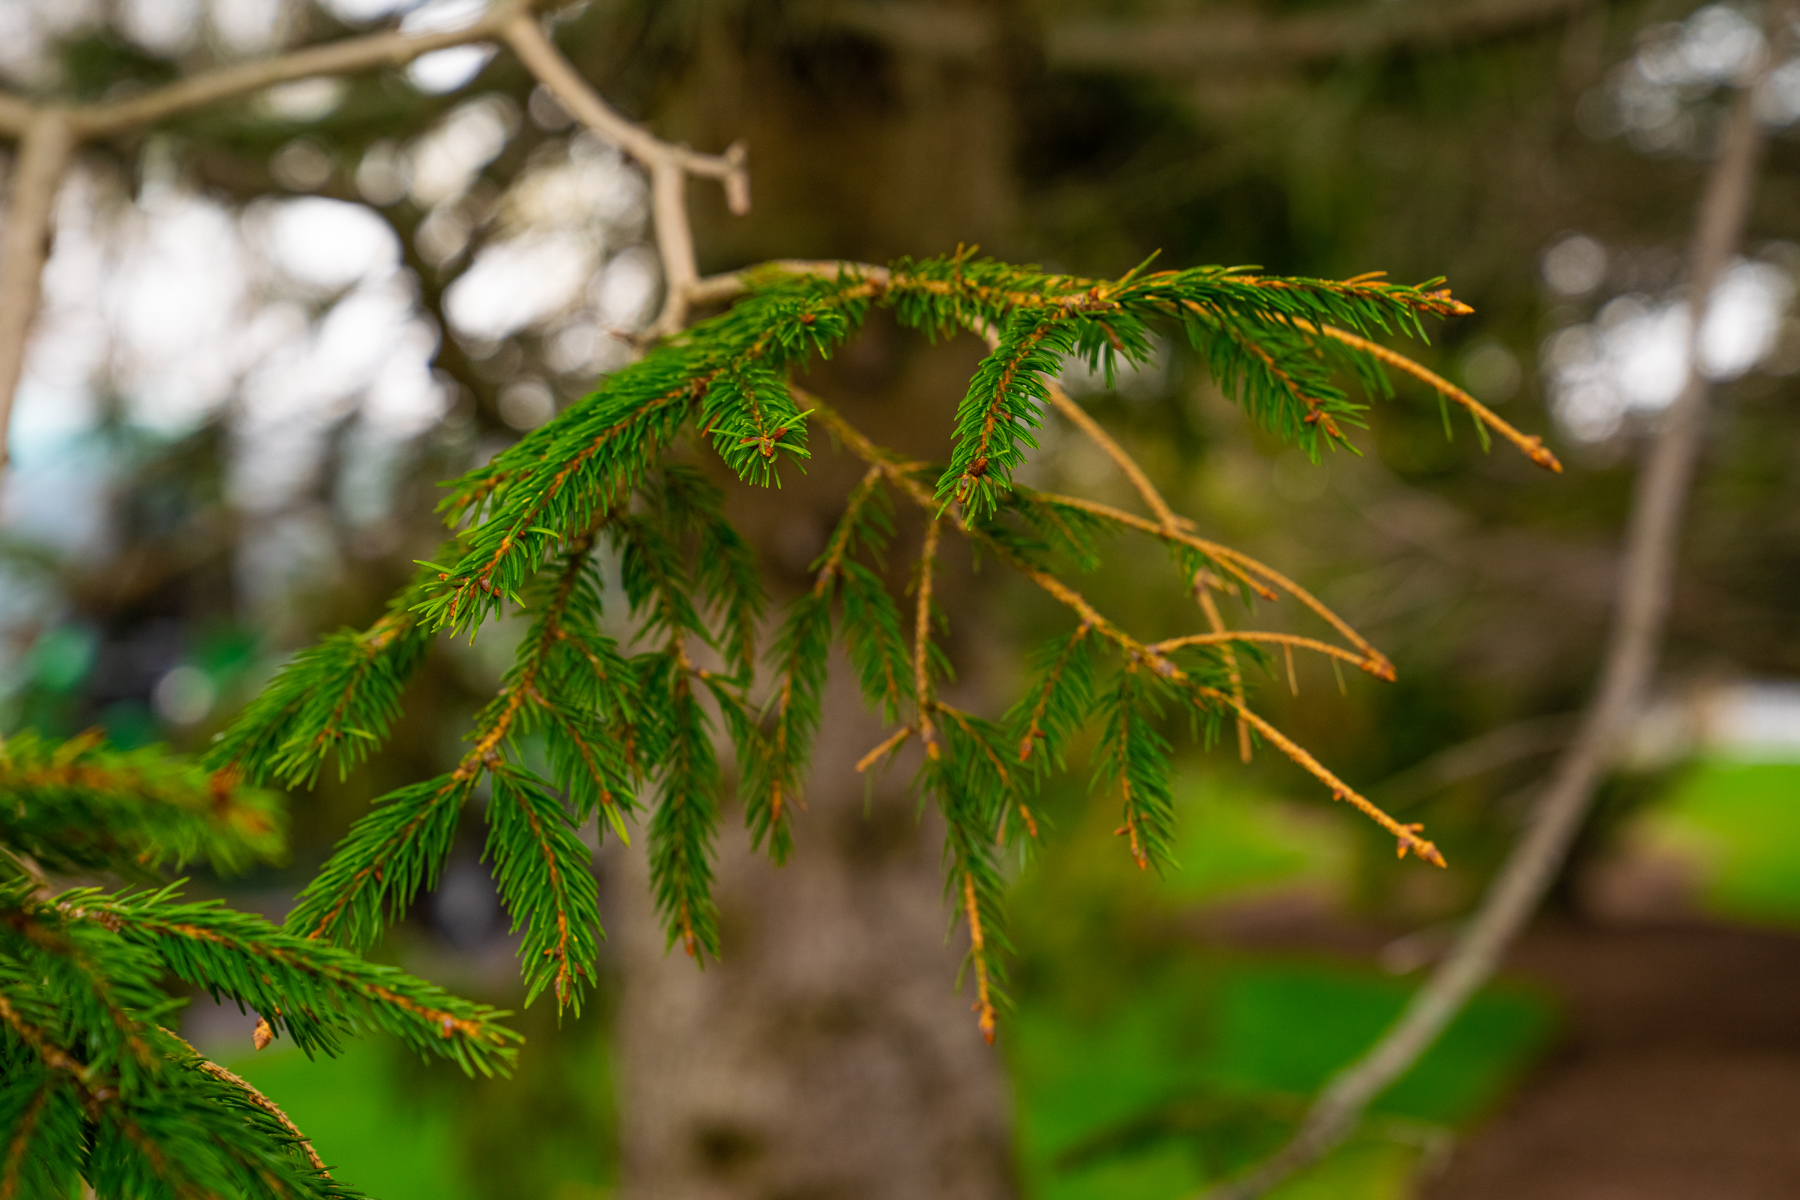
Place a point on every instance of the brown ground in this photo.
(1677, 1076)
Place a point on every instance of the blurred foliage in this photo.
(1731, 828)
(1151, 1053)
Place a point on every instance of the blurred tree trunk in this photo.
(826, 1052)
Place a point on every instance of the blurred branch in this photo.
(390, 49)
(1237, 39)
(1486, 752)
(44, 152)
(669, 165)
(1645, 585)
(48, 134)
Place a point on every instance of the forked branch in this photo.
(49, 133)
(1154, 656)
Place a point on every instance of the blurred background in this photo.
(271, 328)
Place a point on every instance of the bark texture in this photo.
(824, 1054)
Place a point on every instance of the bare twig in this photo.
(669, 165)
(716, 289)
(522, 32)
(1082, 420)
(344, 57)
(44, 153)
(1152, 656)
(1642, 603)
(48, 134)
(1533, 447)
(1224, 637)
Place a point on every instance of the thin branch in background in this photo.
(1646, 581)
(1486, 752)
(43, 159)
(669, 165)
(387, 49)
(49, 133)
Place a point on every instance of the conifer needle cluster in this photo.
(96, 1089)
(596, 724)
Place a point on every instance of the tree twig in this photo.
(669, 165)
(1152, 656)
(44, 153)
(1642, 603)
(48, 134)
(388, 49)
(256, 1098)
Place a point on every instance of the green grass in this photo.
(1203, 1064)
(1740, 823)
(1145, 1066)
(372, 1138)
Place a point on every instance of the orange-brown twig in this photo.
(1153, 656)
(1257, 635)
(978, 952)
(1080, 418)
(890, 743)
(1408, 835)
(922, 636)
(1533, 447)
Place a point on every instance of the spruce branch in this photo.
(1532, 447)
(1133, 759)
(315, 992)
(388, 855)
(541, 865)
(984, 1000)
(773, 783)
(685, 821)
(337, 699)
(153, 1122)
(542, 869)
(1059, 701)
(257, 1098)
(601, 470)
(80, 806)
(922, 621)
(1157, 661)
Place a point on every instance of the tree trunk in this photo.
(826, 1053)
